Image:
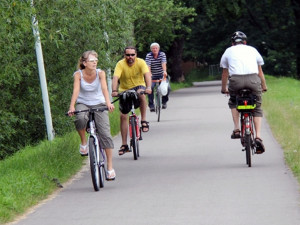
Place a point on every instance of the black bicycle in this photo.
(246, 102)
(96, 154)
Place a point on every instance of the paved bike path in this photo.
(190, 172)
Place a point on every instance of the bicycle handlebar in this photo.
(89, 110)
(139, 93)
(119, 94)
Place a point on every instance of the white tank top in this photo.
(90, 93)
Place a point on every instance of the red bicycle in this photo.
(246, 102)
(131, 100)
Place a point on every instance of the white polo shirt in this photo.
(241, 60)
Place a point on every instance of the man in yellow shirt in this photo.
(131, 73)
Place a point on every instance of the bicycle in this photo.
(96, 154)
(246, 102)
(135, 133)
(157, 98)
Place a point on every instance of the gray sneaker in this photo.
(164, 106)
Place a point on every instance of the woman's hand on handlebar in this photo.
(71, 111)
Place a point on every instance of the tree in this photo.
(268, 25)
(296, 7)
(162, 22)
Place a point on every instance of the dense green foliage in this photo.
(271, 27)
(63, 41)
(159, 21)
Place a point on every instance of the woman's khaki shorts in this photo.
(250, 81)
(102, 124)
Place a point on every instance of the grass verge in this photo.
(31, 174)
(281, 106)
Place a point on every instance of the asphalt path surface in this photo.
(190, 172)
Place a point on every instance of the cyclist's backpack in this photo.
(126, 101)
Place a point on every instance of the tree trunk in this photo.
(174, 60)
(296, 7)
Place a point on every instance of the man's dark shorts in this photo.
(250, 81)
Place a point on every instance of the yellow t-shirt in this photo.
(131, 76)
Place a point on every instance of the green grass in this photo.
(281, 105)
(31, 175)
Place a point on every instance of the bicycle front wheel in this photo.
(95, 171)
(102, 171)
(158, 104)
(134, 141)
(248, 149)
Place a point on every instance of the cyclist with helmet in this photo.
(242, 66)
(131, 73)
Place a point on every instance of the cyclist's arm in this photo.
(104, 88)
(115, 86)
(147, 77)
(225, 75)
(262, 77)
(164, 66)
(76, 89)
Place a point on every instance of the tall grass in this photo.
(281, 105)
(32, 173)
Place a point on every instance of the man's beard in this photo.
(130, 61)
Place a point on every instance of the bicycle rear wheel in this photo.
(134, 141)
(248, 149)
(95, 171)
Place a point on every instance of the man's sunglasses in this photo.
(130, 54)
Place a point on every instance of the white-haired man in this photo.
(157, 63)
